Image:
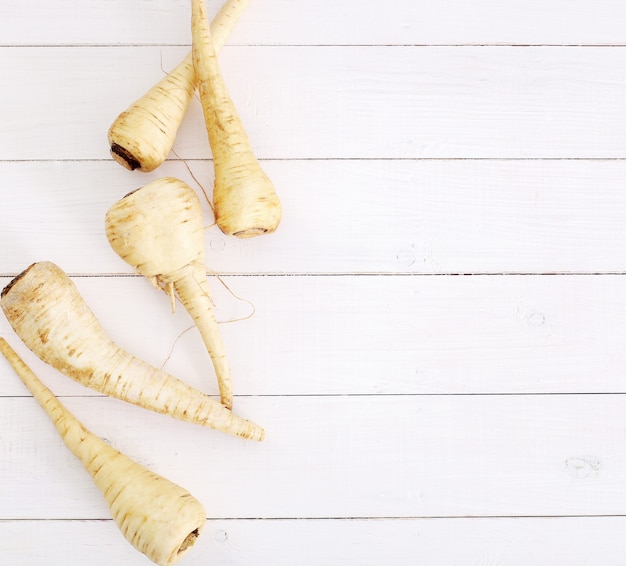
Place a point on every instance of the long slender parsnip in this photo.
(159, 230)
(47, 312)
(158, 517)
(142, 136)
(244, 199)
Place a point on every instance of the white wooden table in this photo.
(438, 349)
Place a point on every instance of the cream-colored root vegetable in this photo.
(159, 230)
(159, 518)
(244, 200)
(142, 136)
(47, 312)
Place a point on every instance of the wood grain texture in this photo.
(485, 542)
(353, 22)
(341, 456)
(348, 216)
(335, 102)
(311, 335)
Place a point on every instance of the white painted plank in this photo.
(347, 456)
(391, 216)
(323, 22)
(369, 335)
(484, 542)
(334, 102)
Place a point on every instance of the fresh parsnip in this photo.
(143, 135)
(159, 230)
(46, 310)
(244, 200)
(159, 518)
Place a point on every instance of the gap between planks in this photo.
(360, 274)
(378, 395)
(344, 518)
(317, 45)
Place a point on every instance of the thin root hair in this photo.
(206, 196)
(171, 352)
(237, 297)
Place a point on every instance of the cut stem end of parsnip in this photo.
(124, 157)
(251, 232)
(189, 541)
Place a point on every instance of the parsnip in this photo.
(159, 230)
(244, 200)
(159, 518)
(47, 312)
(142, 136)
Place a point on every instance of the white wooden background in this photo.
(438, 351)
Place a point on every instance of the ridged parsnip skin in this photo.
(142, 136)
(158, 517)
(47, 312)
(244, 199)
(159, 230)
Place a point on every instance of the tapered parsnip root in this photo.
(159, 518)
(159, 230)
(142, 136)
(244, 200)
(47, 312)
